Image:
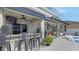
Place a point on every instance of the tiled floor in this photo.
(59, 45)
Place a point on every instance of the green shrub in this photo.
(47, 40)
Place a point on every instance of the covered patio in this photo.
(23, 29)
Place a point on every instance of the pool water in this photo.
(76, 38)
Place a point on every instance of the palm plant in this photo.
(47, 40)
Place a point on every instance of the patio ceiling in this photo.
(19, 15)
(27, 11)
(27, 18)
(34, 13)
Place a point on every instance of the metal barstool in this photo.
(6, 30)
(22, 43)
(30, 38)
(27, 41)
(18, 43)
(14, 42)
(16, 47)
(2, 41)
(33, 40)
(37, 38)
(6, 46)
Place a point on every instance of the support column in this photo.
(58, 29)
(42, 28)
(1, 19)
(65, 28)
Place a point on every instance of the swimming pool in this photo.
(76, 38)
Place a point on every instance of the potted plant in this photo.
(47, 40)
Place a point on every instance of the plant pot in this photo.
(47, 44)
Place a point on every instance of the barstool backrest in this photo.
(23, 36)
(37, 34)
(29, 35)
(2, 39)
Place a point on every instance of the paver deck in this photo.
(61, 45)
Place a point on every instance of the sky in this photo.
(66, 13)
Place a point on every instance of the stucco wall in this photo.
(73, 26)
(72, 31)
(31, 27)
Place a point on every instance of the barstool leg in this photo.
(0, 48)
(7, 47)
(22, 45)
(27, 44)
(16, 46)
(36, 43)
(39, 43)
(19, 47)
(31, 44)
(4, 48)
(12, 44)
